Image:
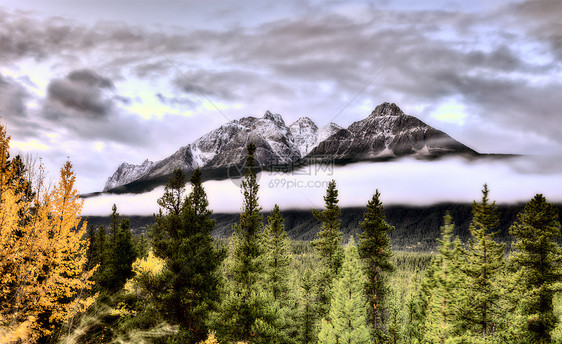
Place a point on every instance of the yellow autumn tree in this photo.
(42, 255)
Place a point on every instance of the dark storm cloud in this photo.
(12, 98)
(13, 109)
(82, 91)
(90, 78)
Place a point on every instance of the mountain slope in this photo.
(388, 133)
(385, 134)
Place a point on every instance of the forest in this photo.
(64, 281)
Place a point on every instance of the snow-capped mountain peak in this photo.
(386, 133)
(387, 109)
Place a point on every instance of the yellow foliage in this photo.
(211, 339)
(151, 266)
(41, 256)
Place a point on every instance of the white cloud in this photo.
(408, 181)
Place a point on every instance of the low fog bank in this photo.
(404, 182)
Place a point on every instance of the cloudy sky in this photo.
(102, 82)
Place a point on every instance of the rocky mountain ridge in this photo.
(385, 134)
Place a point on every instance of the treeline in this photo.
(179, 284)
(416, 227)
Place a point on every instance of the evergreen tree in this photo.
(100, 256)
(484, 261)
(123, 254)
(114, 228)
(376, 253)
(348, 311)
(276, 255)
(92, 256)
(248, 313)
(444, 295)
(276, 260)
(143, 246)
(191, 270)
(328, 245)
(115, 255)
(418, 306)
(538, 258)
(308, 309)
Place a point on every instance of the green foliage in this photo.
(484, 260)
(443, 283)
(114, 252)
(347, 319)
(307, 313)
(190, 278)
(328, 245)
(247, 312)
(538, 258)
(376, 253)
(277, 260)
(276, 256)
(143, 246)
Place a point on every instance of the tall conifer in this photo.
(247, 314)
(443, 283)
(276, 255)
(347, 319)
(376, 253)
(328, 245)
(484, 261)
(182, 237)
(539, 259)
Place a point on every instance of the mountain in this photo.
(307, 135)
(385, 134)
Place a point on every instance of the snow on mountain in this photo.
(127, 173)
(327, 131)
(386, 133)
(305, 134)
(221, 147)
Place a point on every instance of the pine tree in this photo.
(376, 254)
(116, 255)
(538, 258)
(484, 261)
(191, 270)
(99, 255)
(124, 253)
(276, 260)
(443, 282)
(347, 319)
(418, 306)
(143, 246)
(247, 313)
(308, 309)
(276, 255)
(92, 253)
(328, 245)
